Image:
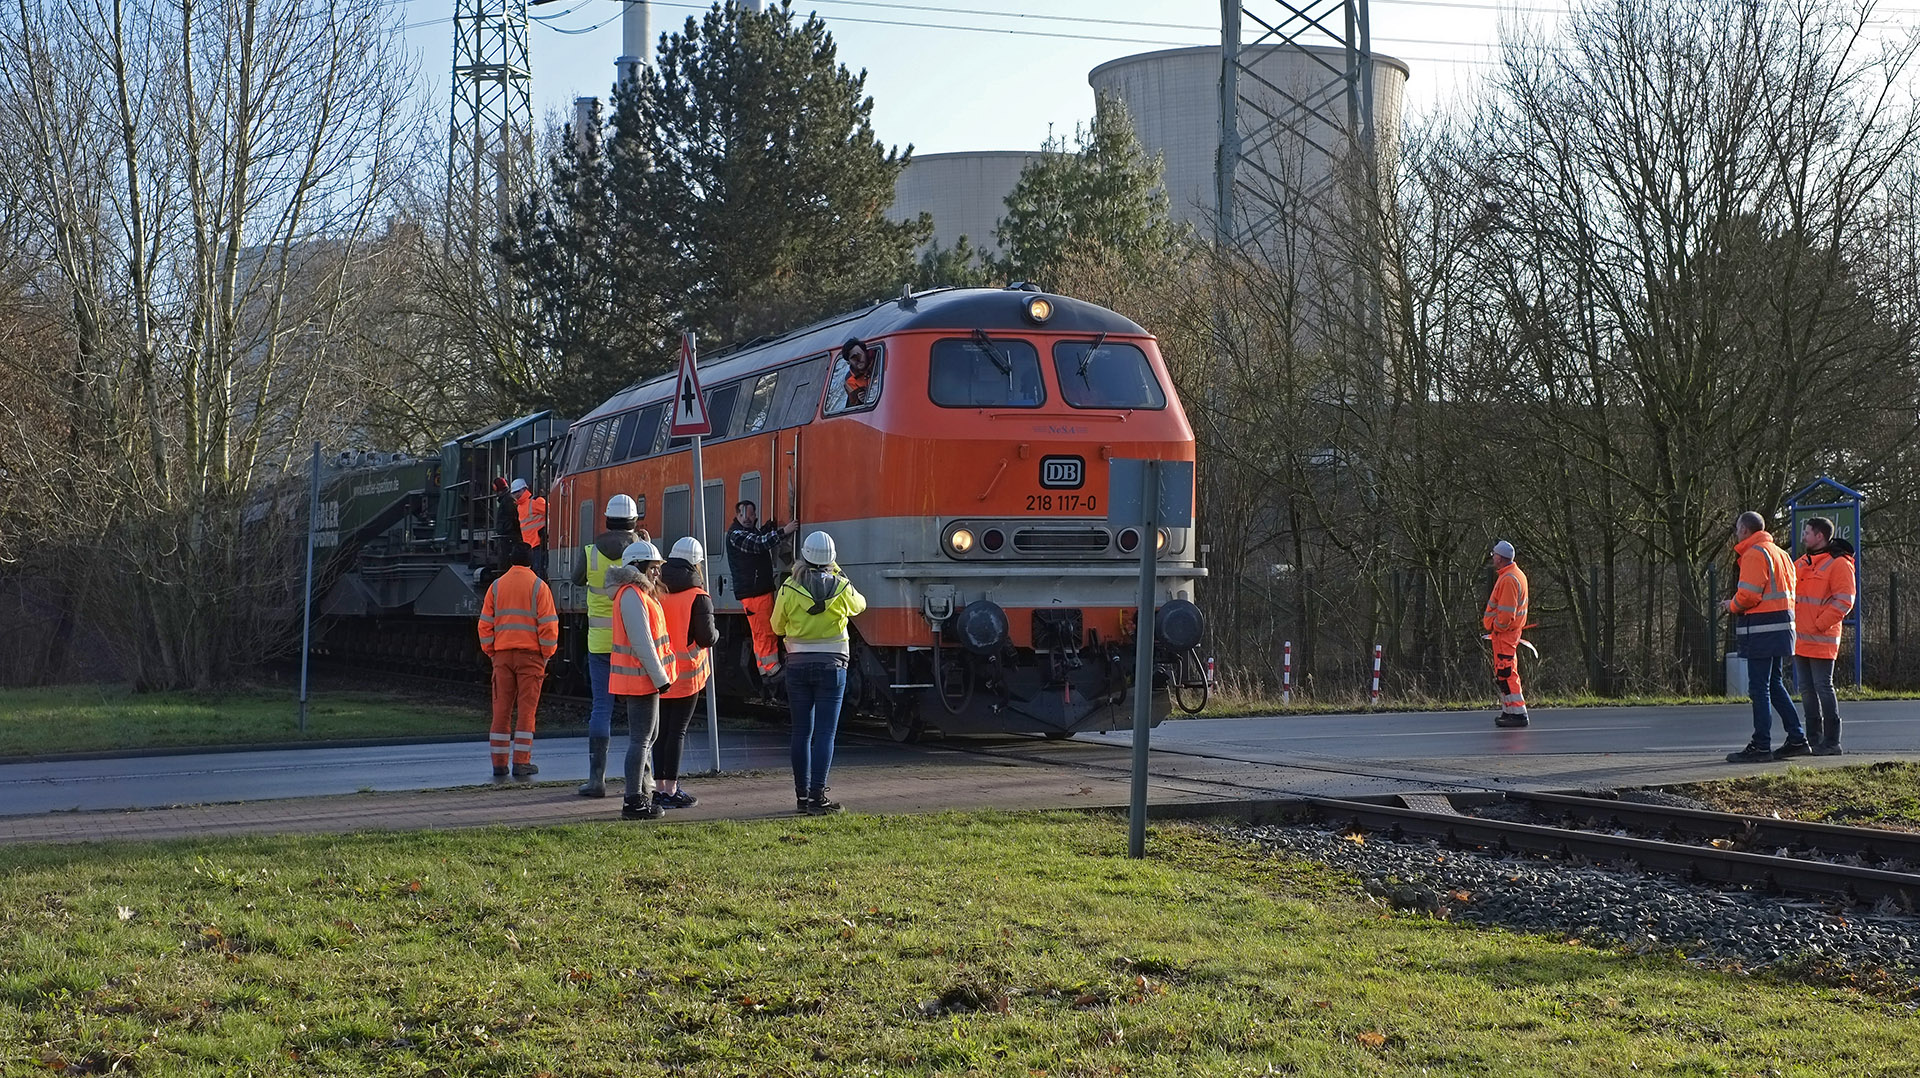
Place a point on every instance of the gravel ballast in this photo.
(1627, 908)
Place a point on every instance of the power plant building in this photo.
(1173, 96)
(965, 192)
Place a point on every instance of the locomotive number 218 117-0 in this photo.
(1062, 503)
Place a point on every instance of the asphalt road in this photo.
(1330, 754)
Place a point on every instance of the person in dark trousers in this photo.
(642, 668)
(691, 633)
(750, 560)
(811, 612)
(590, 573)
(1823, 596)
(1762, 606)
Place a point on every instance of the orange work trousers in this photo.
(766, 646)
(1506, 676)
(517, 676)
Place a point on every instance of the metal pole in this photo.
(1143, 660)
(700, 529)
(306, 606)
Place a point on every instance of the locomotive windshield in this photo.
(1103, 374)
(985, 373)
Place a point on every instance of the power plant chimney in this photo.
(634, 41)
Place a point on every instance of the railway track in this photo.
(1708, 863)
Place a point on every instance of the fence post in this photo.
(1593, 628)
(1286, 673)
(1893, 611)
(1374, 698)
(1717, 669)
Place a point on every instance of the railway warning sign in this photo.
(689, 404)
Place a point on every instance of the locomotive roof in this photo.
(996, 310)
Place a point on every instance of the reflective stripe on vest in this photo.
(690, 660)
(599, 603)
(626, 673)
(518, 627)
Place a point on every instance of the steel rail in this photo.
(1706, 863)
(1866, 842)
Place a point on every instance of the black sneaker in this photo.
(678, 799)
(1752, 754)
(1828, 748)
(821, 805)
(641, 810)
(1506, 720)
(1792, 748)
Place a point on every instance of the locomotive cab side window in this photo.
(850, 391)
(760, 403)
(1106, 374)
(983, 372)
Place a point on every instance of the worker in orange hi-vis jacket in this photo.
(1823, 596)
(1762, 606)
(1505, 619)
(519, 631)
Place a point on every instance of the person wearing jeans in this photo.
(1762, 606)
(590, 573)
(811, 610)
(1823, 597)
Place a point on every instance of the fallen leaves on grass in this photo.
(1373, 1040)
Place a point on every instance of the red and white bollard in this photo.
(1286, 673)
(1375, 697)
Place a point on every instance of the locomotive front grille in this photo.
(1061, 541)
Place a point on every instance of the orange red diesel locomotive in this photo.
(964, 480)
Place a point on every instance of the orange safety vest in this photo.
(533, 517)
(518, 615)
(627, 676)
(1823, 596)
(1764, 599)
(690, 660)
(1506, 615)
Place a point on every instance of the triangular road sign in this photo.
(689, 404)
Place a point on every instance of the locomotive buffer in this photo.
(1144, 494)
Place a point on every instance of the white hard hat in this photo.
(518, 486)
(640, 551)
(621, 507)
(818, 549)
(688, 550)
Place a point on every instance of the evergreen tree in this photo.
(961, 266)
(1102, 196)
(741, 191)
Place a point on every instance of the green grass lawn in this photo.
(1884, 794)
(948, 945)
(82, 718)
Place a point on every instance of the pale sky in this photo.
(1005, 85)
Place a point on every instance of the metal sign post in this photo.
(1144, 494)
(306, 607)
(690, 418)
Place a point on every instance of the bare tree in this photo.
(207, 185)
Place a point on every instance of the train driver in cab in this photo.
(856, 377)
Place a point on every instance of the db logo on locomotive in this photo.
(1062, 473)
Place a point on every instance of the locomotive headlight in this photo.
(1160, 542)
(1039, 309)
(960, 540)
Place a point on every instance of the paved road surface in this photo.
(1336, 755)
